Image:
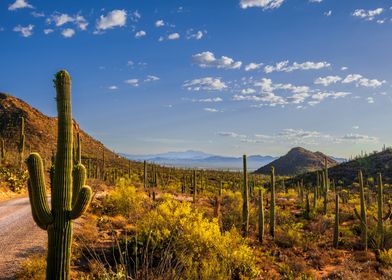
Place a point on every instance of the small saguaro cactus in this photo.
(272, 221)
(336, 226)
(362, 217)
(261, 216)
(22, 138)
(380, 212)
(70, 196)
(245, 200)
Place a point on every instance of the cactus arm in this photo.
(82, 202)
(37, 190)
(33, 211)
(79, 180)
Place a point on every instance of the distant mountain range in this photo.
(197, 159)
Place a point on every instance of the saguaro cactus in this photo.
(245, 200)
(145, 175)
(70, 197)
(336, 227)
(261, 216)
(362, 218)
(194, 187)
(380, 212)
(273, 203)
(2, 151)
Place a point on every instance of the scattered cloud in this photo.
(326, 81)
(132, 82)
(68, 32)
(140, 34)
(370, 100)
(115, 18)
(113, 87)
(284, 66)
(25, 31)
(207, 59)
(37, 14)
(207, 83)
(328, 13)
(368, 15)
(151, 78)
(248, 91)
(211, 110)
(173, 36)
(135, 16)
(194, 35)
(344, 68)
(61, 19)
(359, 80)
(48, 31)
(19, 4)
(253, 66)
(320, 96)
(359, 138)
(208, 100)
(159, 23)
(264, 4)
(315, 1)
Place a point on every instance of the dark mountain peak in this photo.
(298, 160)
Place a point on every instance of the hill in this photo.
(370, 165)
(41, 133)
(298, 160)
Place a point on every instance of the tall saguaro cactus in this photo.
(273, 204)
(261, 216)
(362, 218)
(245, 200)
(70, 197)
(336, 226)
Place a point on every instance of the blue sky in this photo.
(225, 77)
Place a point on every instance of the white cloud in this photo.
(194, 35)
(159, 23)
(328, 13)
(211, 110)
(112, 19)
(344, 68)
(207, 83)
(248, 91)
(68, 33)
(61, 19)
(231, 134)
(151, 78)
(48, 31)
(208, 100)
(135, 16)
(368, 15)
(19, 4)
(356, 127)
(253, 66)
(37, 14)
(113, 87)
(326, 81)
(315, 1)
(264, 4)
(132, 82)
(359, 80)
(208, 59)
(320, 96)
(284, 66)
(140, 34)
(173, 36)
(359, 138)
(25, 31)
(370, 100)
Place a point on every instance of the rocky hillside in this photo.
(41, 133)
(297, 161)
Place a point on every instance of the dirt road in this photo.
(19, 236)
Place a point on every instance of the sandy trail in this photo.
(19, 236)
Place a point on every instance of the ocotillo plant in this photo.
(261, 216)
(272, 221)
(58, 220)
(21, 145)
(336, 227)
(362, 218)
(245, 200)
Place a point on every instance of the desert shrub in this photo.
(386, 257)
(191, 246)
(289, 235)
(33, 268)
(125, 200)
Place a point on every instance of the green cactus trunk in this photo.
(245, 200)
(261, 216)
(307, 206)
(362, 217)
(58, 221)
(272, 222)
(336, 227)
(380, 210)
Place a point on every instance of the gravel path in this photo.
(19, 236)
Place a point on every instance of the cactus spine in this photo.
(245, 200)
(336, 227)
(58, 221)
(362, 218)
(261, 216)
(273, 203)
